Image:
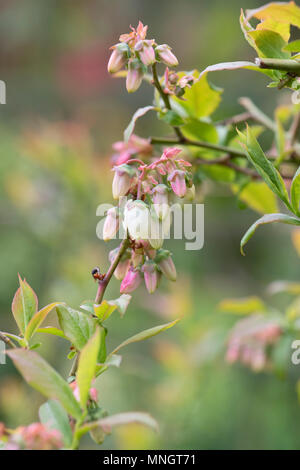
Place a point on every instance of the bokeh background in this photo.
(62, 115)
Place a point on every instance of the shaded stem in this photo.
(6, 340)
(287, 65)
(103, 284)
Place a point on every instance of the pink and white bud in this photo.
(146, 52)
(137, 259)
(137, 220)
(122, 181)
(178, 184)
(111, 224)
(160, 201)
(164, 53)
(131, 281)
(121, 269)
(134, 76)
(150, 276)
(166, 265)
(117, 59)
(94, 394)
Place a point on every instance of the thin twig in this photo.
(6, 340)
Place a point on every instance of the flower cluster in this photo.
(145, 217)
(250, 339)
(34, 437)
(136, 146)
(175, 85)
(136, 53)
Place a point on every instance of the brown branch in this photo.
(6, 340)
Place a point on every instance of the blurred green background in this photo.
(62, 115)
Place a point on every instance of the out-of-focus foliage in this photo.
(54, 175)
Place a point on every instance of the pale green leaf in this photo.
(54, 416)
(41, 376)
(77, 326)
(38, 319)
(87, 367)
(24, 305)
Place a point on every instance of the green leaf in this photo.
(38, 319)
(24, 305)
(88, 306)
(87, 367)
(293, 46)
(235, 66)
(196, 129)
(107, 307)
(139, 113)
(243, 306)
(200, 100)
(112, 361)
(77, 326)
(51, 330)
(145, 335)
(109, 422)
(263, 166)
(295, 192)
(54, 416)
(16, 338)
(269, 44)
(257, 196)
(41, 376)
(267, 219)
(171, 117)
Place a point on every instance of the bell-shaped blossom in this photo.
(150, 276)
(178, 184)
(160, 201)
(123, 179)
(137, 220)
(146, 51)
(118, 58)
(131, 281)
(134, 76)
(166, 265)
(111, 224)
(166, 55)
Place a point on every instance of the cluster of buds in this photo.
(142, 262)
(145, 212)
(34, 437)
(175, 84)
(136, 53)
(250, 339)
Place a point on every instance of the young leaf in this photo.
(263, 166)
(145, 335)
(38, 319)
(77, 326)
(200, 100)
(267, 219)
(293, 46)
(51, 330)
(295, 192)
(41, 376)
(112, 361)
(24, 305)
(119, 420)
(107, 307)
(87, 366)
(243, 306)
(54, 416)
(139, 113)
(269, 44)
(283, 12)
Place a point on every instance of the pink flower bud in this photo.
(137, 259)
(117, 59)
(166, 265)
(111, 224)
(121, 269)
(160, 200)
(150, 276)
(134, 76)
(94, 394)
(146, 52)
(131, 281)
(122, 181)
(165, 54)
(177, 180)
